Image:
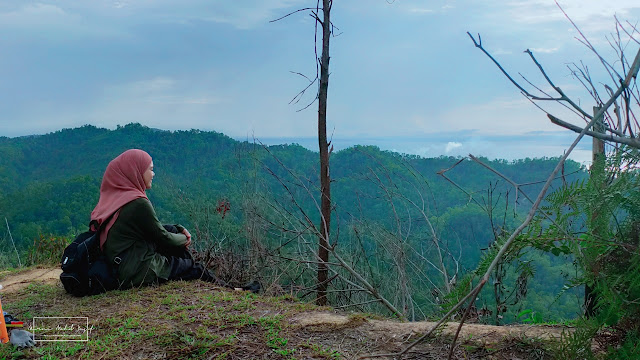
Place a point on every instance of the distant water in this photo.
(534, 145)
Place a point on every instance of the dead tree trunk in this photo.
(325, 180)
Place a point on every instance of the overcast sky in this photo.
(404, 74)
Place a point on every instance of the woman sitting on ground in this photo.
(133, 240)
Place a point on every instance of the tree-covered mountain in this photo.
(53, 180)
(50, 183)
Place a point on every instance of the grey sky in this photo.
(404, 74)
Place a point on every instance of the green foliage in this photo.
(47, 250)
(596, 223)
(458, 293)
(575, 343)
(629, 348)
(529, 316)
(385, 204)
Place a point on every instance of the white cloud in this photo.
(451, 145)
(421, 11)
(174, 100)
(541, 24)
(158, 92)
(501, 116)
(49, 21)
(501, 51)
(541, 11)
(592, 16)
(239, 14)
(156, 85)
(36, 14)
(244, 14)
(544, 50)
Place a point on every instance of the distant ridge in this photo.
(49, 183)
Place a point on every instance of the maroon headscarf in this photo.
(122, 183)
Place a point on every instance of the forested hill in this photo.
(243, 198)
(50, 183)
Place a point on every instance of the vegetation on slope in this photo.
(50, 185)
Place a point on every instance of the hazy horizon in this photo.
(429, 147)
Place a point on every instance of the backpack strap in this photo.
(94, 223)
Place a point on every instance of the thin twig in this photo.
(464, 317)
(293, 12)
(13, 242)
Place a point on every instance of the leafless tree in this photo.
(620, 128)
(322, 78)
(325, 180)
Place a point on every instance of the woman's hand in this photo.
(188, 235)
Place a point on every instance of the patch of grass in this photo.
(132, 323)
(575, 344)
(73, 349)
(195, 345)
(285, 298)
(179, 320)
(274, 336)
(322, 352)
(239, 320)
(289, 302)
(9, 352)
(244, 303)
(222, 296)
(171, 300)
(37, 301)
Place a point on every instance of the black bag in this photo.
(85, 269)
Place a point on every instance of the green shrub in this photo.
(47, 250)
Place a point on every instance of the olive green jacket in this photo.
(134, 237)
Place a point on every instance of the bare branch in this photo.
(478, 44)
(633, 142)
(443, 171)
(633, 71)
(293, 12)
(586, 42)
(562, 97)
(635, 30)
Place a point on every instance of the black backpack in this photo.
(85, 268)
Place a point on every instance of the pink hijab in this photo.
(122, 183)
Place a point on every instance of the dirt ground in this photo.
(478, 333)
(357, 335)
(15, 282)
(384, 336)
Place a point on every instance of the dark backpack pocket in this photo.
(75, 284)
(85, 270)
(102, 276)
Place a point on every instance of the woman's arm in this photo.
(177, 229)
(153, 230)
